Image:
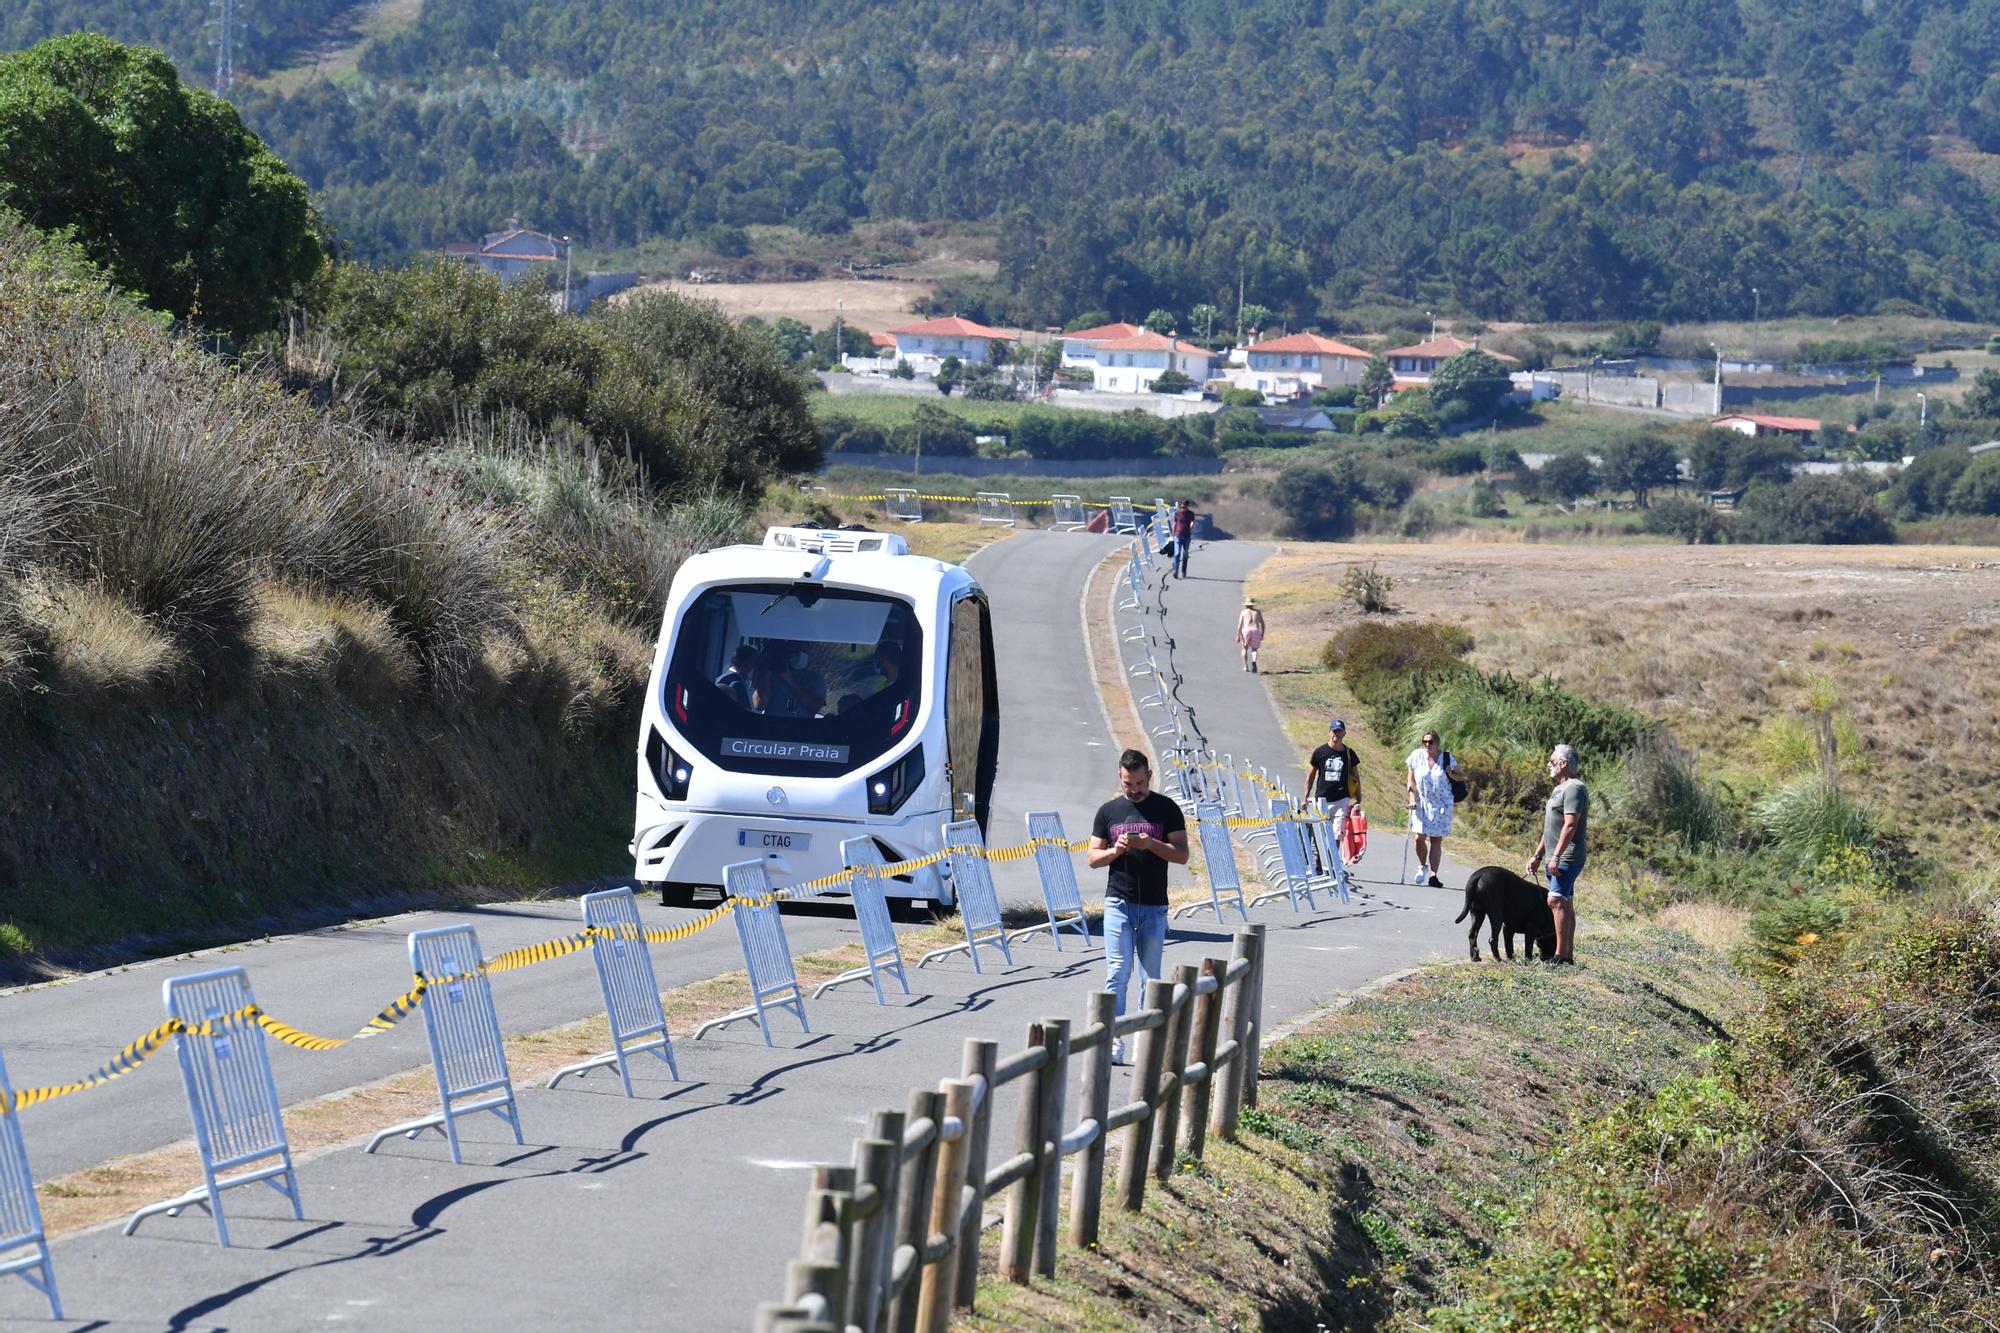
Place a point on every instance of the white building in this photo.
(1080, 348)
(515, 253)
(1414, 364)
(1299, 363)
(1130, 365)
(927, 344)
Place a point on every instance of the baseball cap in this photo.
(1336, 725)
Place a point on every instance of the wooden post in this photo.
(822, 1267)
(1167, 1107)
(981, 1056)
(1253, 1055)
(913, 1203)
(1017, 1232)
(1222, 1115)
(934, 1302)
(877, 1161)
(1149, 1058)
(825, 1176)
(1086, 1198)
(1207, 1019)
(1055, 1084)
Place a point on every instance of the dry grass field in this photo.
(876, 306)
(1724, 644)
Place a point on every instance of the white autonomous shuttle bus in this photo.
(823, 686)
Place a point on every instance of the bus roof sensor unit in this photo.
(835, 541)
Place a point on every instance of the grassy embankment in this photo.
(1764, 1099)
(259, 662)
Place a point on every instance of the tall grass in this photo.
(1810, 818)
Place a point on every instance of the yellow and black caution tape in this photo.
(136, 1053)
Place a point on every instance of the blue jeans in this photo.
(1132, 929)
(1562, 880)
(1181, 547)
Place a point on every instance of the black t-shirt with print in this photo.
(1138, 876)
(1339, 772)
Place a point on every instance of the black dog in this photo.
(1513, 905)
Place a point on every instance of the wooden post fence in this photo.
(891, 1242)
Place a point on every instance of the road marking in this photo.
(782, 1164)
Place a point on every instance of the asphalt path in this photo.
(683, 1202)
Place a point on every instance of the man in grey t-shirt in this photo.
(1562, 846)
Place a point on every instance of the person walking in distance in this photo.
(1333, 774)
(1250, 632)
(1137, 834)
(1183, 537)
(1561, 848)
(1429, 798)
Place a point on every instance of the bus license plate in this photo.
(771, 840)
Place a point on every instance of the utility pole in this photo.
(1434, 323)
(1239, 304)
(1756, 319)
(1718, 378)
(566, 307)
(839, 313)
(226, 24)
(1923, 415)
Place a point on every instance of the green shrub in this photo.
(1367, 587)
(1977, 490)
(1455, 459)
(1813, 510)
(1691, 521)
(1809, 817)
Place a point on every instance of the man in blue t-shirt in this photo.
(1137, 835)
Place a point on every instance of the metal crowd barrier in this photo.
(904, 503)
(468, 1055)
(231, 1096)
(1057, 877)
(863, 860)
(994, 507)
(1066, 513)
(1218, 855)
(1327, 837)
(20, 1211)
(631, 991)
(978, 905)
(1295, 873)
(1124, 518)
(767, 955)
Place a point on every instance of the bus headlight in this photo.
(889, 788)
(669, 769)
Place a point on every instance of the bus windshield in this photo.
(794, 678)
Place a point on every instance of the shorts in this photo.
(1253, 638)
(1562, 881)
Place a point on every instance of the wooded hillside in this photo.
(1533, 159)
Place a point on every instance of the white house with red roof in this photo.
(514, 252)
(1130, 365)
(1414, 364)
(1755, 423)
(926, 344)
(1080, 348)
(1299, 363)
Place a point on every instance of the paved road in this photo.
(684, 1202)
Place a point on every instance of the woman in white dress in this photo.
(1430, 775)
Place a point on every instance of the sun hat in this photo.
(1249, 601)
